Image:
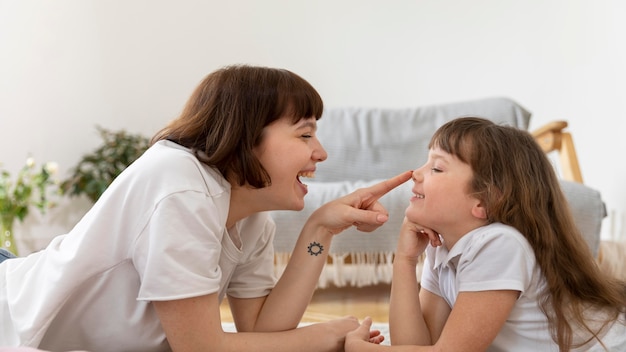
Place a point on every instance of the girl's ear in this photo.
(479, 211)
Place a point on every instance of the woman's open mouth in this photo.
(307, 174)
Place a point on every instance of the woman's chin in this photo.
(294, 204)
(298, 206)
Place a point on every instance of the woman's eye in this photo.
(306, 136)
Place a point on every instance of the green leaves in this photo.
(91, 176)
(30, 188)
(96, 170)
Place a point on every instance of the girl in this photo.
(506, 269)
(187, 224)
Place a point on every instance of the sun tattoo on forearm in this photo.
(315, 248)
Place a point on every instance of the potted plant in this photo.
(31, 188)
(96, 170)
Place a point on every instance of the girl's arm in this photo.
(473, 324)
(415, 318)
(423, 321)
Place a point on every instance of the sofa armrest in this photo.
(552, 137)
(588, 210)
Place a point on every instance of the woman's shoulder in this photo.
(167, 155)
(175, 167)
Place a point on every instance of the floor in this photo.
(336, 302)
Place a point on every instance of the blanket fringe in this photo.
(351, 269)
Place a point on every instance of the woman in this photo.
(187, 224)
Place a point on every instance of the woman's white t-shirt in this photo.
(498, 257)
(157, 233)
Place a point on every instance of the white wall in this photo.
(67, 65)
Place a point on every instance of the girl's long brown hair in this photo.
(224, 118)
(518, 186)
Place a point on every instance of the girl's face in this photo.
(288, 153)
(442, 199)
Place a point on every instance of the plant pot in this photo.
(7, 239)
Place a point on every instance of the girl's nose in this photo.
(417, 175)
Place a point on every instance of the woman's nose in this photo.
(319, 153)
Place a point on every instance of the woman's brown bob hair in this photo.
(224, 118)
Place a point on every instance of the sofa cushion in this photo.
(373, 143)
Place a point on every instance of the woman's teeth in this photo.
(307, 174)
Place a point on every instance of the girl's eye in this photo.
(436, 170)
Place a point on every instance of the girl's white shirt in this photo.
(157, 233)
(498, 257)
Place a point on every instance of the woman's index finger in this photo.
(380, 189)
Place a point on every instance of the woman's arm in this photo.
(287, 302)
(194, 324)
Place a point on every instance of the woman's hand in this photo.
(413, 240)
(356, 338)
(359, 208)
(336, 330)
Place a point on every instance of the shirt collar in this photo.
(450, 258)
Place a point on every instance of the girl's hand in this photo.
(336, 330)
(413, 240)
(355, 338)
(359, 208)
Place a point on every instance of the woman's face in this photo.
(289, 152)
(442, 200)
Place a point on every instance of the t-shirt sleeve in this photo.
(177, 254)
(256, 277)
(430, 277)
(496, 260)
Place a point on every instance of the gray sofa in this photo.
(366, 145)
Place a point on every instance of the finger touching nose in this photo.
(417, 175)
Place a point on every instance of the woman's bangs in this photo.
(298, 99)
